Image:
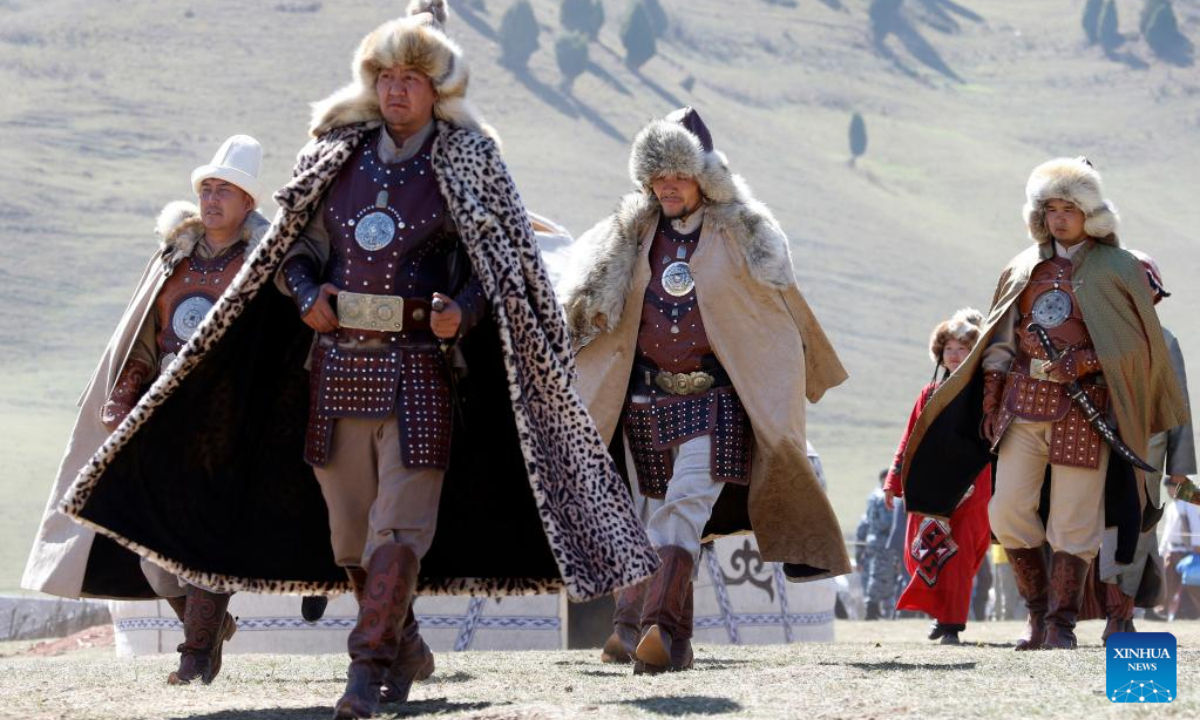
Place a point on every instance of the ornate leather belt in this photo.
(382, 313)
(689, 383)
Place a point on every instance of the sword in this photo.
(1090, 413)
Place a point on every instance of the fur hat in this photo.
(1076, 181)
(417, 41)
(1153, 274)
(964, 326)
(680, 144)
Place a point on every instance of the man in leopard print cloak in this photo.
(510, 489)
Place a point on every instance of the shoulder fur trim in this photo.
(179, 229)
(601, 268)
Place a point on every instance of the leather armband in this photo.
(300, 276)
(125, 395)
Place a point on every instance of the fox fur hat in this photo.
(964, 326)
(680, 144)
(1077, 182)
(417, 40)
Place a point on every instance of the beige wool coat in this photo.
(58, 560)
(762, 331)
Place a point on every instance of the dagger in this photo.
(1090, 413)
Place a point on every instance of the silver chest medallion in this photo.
(1052, 308)
(188, 316)
(377, 230)
(677, 279)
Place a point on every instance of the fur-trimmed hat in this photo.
(418, 41)
(1077, 182)
(964, 326)
(680, 144)
(1153, 274)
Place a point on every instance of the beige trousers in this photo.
(372, 497)
(680, 517)
(162, 582)
(1076, 521)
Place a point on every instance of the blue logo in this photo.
(1141, 668)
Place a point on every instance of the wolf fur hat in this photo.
(680, 144)
(419, 41)
(964, 326)
(1076, 181)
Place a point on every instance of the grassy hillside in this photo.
(109, 104)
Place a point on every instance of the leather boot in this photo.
(414, 659)
(872, 610)
(664, 612)
(1067, 575)
(621, 645)
(178, 604)
(312, 607)
(1029, 570)
(1118, 608)
(385, 597)
(681, 645)
(206, 628)
(413, 662)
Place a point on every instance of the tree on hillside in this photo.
(1091, 20)
(518, 35)
(1149, 7)
(571, 52)
(658, 16)
(883, 14)
(1164, 37)
(1110, 29)
(637, 35)
(858, 138)
(583, 16)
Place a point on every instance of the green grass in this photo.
(874, 670)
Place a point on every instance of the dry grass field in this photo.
(109, 104)
(877, 671)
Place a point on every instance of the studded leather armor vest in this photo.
(1049, 300)
(387, 225)
(190, 291)
(387, 230)
(671, 335)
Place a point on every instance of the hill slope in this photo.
(109, 105)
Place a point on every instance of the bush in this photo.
(518, 35)
(583, 16)
(1091, 19)
(637, 35)
(1110, 30)
(858, 136)
(571, 52)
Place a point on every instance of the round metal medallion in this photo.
(1052, 308)
(677, 279)
(189, 314)
(375, 231)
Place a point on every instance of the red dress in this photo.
(943, 558)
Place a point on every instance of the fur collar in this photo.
(179, 229)
(602, 264)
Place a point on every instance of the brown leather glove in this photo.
(1072, 366)
(125, 395)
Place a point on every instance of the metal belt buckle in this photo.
(684, 383)
(360, 311)
(1037, 369)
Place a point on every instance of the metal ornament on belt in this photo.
(375, 231)
(1051, 308)
(360, 311)
(188, 316)
(677, 279)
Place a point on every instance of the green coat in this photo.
(946, 450)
